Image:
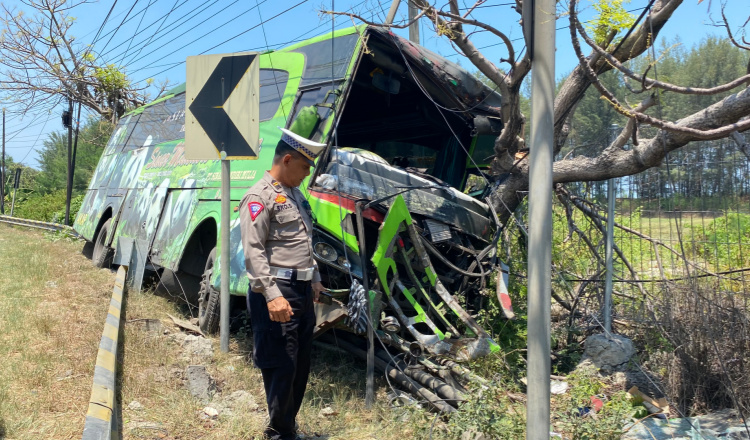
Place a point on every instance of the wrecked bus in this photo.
(406, 131)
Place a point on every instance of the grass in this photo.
(52, 308)
(53, 303)
(154, 372)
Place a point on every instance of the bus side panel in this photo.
(142, 211)
(95, 202)
(88, 216)
(238, 281)
(172, 231)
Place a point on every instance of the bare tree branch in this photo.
(708, 134)
(42, 65)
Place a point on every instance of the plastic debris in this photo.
(654, 406)
(558, 386)
(721, 425)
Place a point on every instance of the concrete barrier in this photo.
(102, 418)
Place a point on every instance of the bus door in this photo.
(173, 226)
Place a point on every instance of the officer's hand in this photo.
(279, 309)
(317, 288)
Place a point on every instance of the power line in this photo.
(120, 25)
(33, 146)
(174, 25)
(137, 28)
(174, 6)
(235, 36)
(125, 20)
(212, 30)
(220, 26)
(275, 81)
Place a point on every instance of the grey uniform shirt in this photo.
(276, 231)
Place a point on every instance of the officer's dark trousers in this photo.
(282, 352)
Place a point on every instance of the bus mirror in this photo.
(487, 125)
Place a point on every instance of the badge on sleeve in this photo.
(280, 199)
(255, 209)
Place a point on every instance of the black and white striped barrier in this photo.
(102, 418)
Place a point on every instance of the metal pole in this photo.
(540, 219)
(225, 213)
(16, 184)
(392, 12)
(75, 147)
(226, 198)
(414, 27)
(370, 379)
(69, 186)
(607, 307)
(13, 202)
(2, 172)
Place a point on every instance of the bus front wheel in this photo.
(102, 255)
(208, 299)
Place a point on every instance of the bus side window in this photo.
(272, 86)
(158, 123)
(120, 135)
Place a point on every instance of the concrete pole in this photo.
(607, 306)
(392, 11)
(414, 27)
(69, 185)
(540, 219)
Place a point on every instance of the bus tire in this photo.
(209, 299)
(102, 255)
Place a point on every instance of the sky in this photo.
(150, 39)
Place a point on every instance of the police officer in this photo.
(276, 225)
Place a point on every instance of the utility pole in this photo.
(75, 147)
(607, 306)
(2, 172)
(392, 11)
(542, 17)
(68, 122)
(414, 26)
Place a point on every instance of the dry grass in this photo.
(154, 376)
(53, 303)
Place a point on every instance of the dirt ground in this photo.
(53, 304)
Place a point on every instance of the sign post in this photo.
(221, 122)
(16, 184)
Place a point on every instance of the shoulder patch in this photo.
(255, 209)
(280, 199)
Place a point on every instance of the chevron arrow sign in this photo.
(222, 107)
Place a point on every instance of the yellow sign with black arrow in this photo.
(222, 107)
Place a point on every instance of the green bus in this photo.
(406, 131)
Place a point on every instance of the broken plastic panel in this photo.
(425, 308)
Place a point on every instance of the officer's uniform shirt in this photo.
(276, 226)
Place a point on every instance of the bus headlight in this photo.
(325, 251)
(343, 262)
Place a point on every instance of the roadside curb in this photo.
(17, 221)
(101, 419)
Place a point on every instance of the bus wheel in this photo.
(208, 299)
(102, 255)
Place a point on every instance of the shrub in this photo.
(48, 207)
